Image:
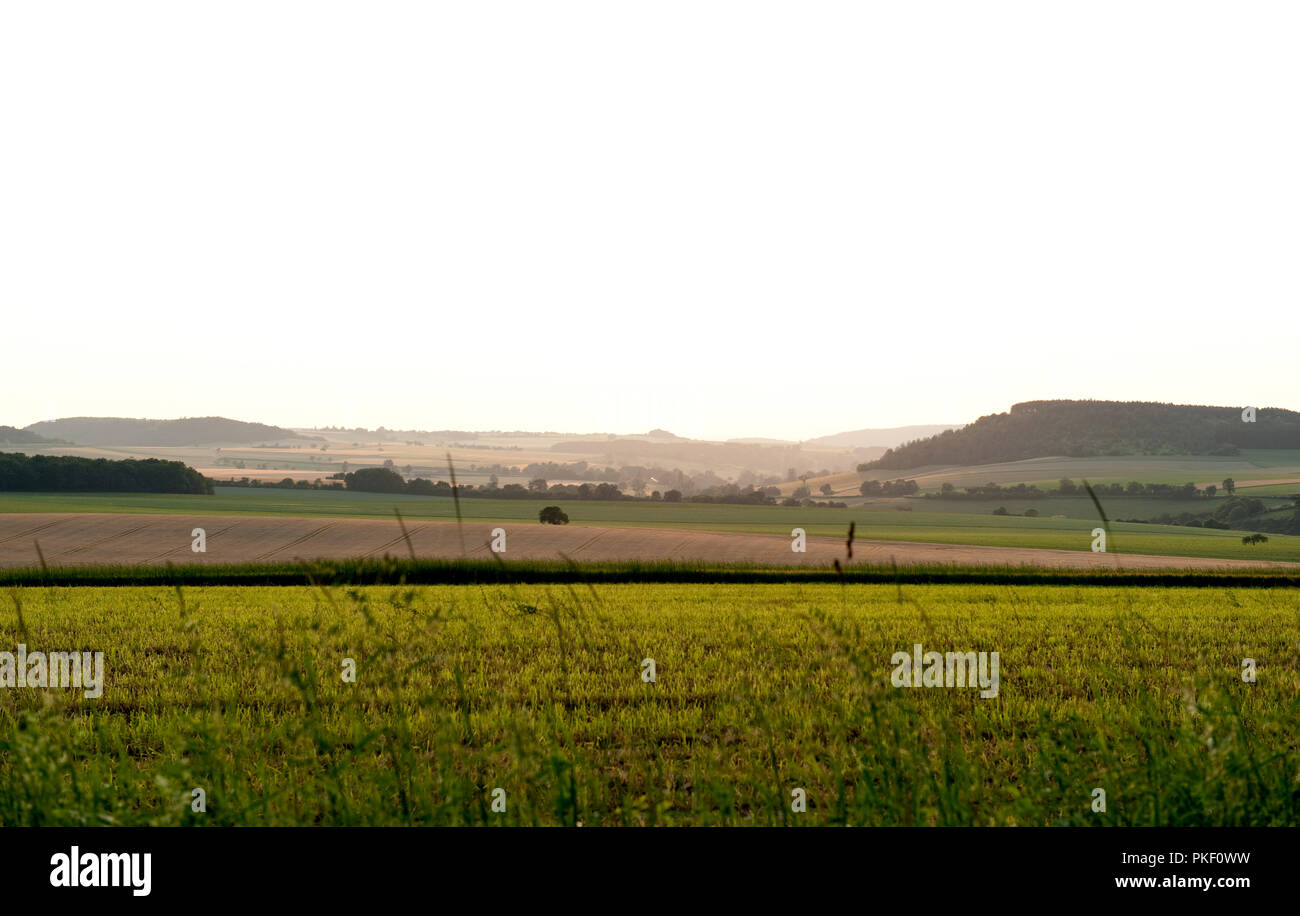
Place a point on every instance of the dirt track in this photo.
(88, 539)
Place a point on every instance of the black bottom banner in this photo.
(334, 865)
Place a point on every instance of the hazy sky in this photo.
(725, 219)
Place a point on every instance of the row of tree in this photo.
(1236, 512)
(889, 488)
(1068, 488)
(287, 483)
(62, 473)
(386, 480)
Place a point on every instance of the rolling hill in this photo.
(182, 432)
(878, 438)
(10, 435)
(1086, 429)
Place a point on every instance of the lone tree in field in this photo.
(553, 515)
(1230, 485)
(1255, 539)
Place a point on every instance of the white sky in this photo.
(725, 219)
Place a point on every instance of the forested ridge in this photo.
(1086, 429)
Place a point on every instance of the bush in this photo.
(553, 515)
(1001, 510)
(1031, 513)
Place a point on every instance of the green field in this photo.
(1269, 492)
(1261, 464)
(760, 690)
(1082, 507)
(884, 522)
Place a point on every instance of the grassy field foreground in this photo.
(760, 690)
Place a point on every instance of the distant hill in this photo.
(725, 457)
(10, 435)
(1084, 429)
(877, 438)
(188, 431)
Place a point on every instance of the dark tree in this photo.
(552, 515)
(375, 480)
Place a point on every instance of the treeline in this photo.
(1068, 488)
(637, 480)
(889, 488)
(288, 483)
(1240, 512)
(1086, 429)
(386, 480)
(62, 473)
(576, 470)
(734, 494)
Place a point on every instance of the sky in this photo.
(722, 219)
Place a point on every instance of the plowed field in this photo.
(93, 539)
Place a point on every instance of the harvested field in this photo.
(97, 539)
